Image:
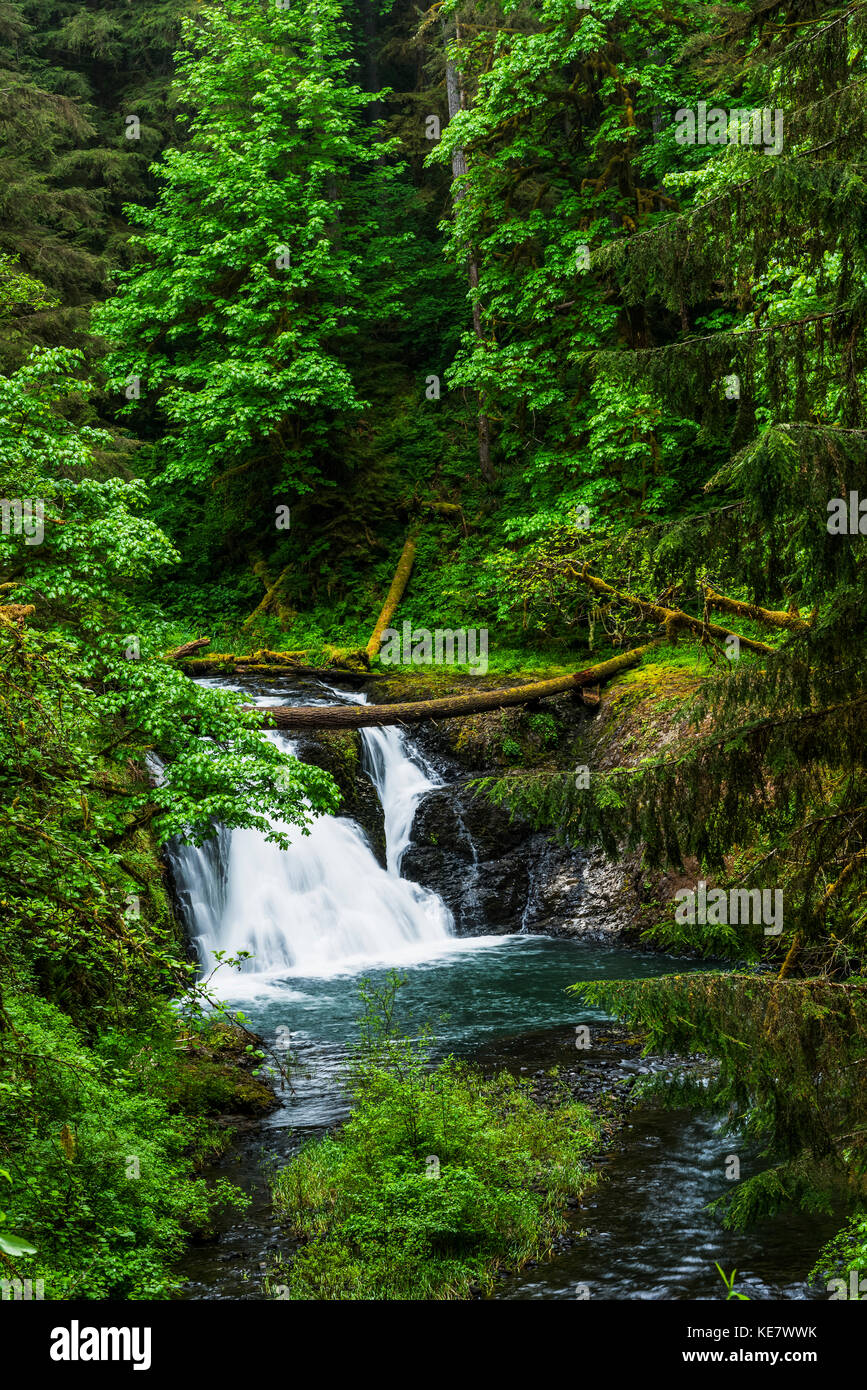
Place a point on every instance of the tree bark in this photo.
(371, 73)
(451, 706)
(187, 649)
(395, 594)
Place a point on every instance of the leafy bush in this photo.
(99, 1167)
(440, 1175)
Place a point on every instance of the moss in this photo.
(641, 711)
(214, 1077)
(345, 750)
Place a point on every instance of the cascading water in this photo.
(325, 905)
(401, 784)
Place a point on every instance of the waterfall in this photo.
(401, 784)
(324, 906)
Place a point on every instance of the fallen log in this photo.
(263, 662)
(261, 656)
(450, 509)
(395, 594)
(207, 666)
(187, 649)
(671, 619)
(450, 706)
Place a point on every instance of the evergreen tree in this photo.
(768, 547)
(84, 107)
(563, 150)
(762, 273)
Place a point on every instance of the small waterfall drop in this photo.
(324, 906)
(401, 784)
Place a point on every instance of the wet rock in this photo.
(497, 875)
(473, 857)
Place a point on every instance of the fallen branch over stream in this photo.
(450, 706)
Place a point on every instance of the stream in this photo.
(325, 914)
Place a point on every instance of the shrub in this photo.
(440, 1175)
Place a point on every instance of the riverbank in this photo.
(643, 1231)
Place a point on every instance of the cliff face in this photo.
(341, 753)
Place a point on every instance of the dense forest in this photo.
(502, 367)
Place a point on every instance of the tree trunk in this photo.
(371, 72)
(772, 617)
(451, 706)
(274, 599)
(395, 594)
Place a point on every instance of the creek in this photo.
(326, 913)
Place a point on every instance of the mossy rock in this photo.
(340, 753)
(214, 1076)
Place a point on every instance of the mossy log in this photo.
(451, 510)
(187, 649)
(789, 619)
(268, 663)
(671, 619)
(450, 706)
(395, 594)
(261, 656)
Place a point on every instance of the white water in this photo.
(401, 784)
(325, 906)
